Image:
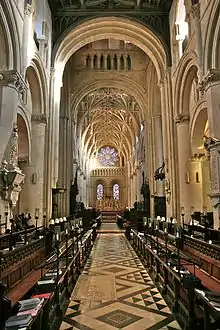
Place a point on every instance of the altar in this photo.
(108, 204)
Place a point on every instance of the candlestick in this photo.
(36, 213)
(57, 237)
(182, 210)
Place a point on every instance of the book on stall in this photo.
(29, 304)
(52, 273)
(42, 295)
(18, 321)
(50, 281)
(32, 311)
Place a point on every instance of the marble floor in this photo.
(114, 291)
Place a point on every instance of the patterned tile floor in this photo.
(116, 292)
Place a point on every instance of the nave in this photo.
(115, 291)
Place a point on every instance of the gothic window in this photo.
(128, 64)
(95, 62)
(116, 191)
(108, 62)
(102, 62)
(122, 64)
(115, 63)
(108, 156)
(99, 191)
(181, 27)
(88, 62)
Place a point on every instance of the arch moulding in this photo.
(188, 62)
(202, 105)
(123, 83)
(11, 35)
(110, 27)
(212, 37)
(37, 66)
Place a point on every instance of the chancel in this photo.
(109, 164)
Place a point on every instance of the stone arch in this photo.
(36, 78)
(123, 83)
(211, 58)
(101, 28)
(197, 128)
(199, 174)
(120, 82)
(183, 84)
(181, 26)
(9, 38)
(103, 183)
(23, 138)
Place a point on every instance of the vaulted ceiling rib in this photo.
(108, 116)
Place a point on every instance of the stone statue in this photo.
(208, 141)
(13, 156)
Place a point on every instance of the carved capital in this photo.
(28, 10)
(195, 11)
(181, 119)
(40, 118)
(13, 79)
(211, 77)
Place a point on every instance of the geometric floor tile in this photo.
(119, 318)
(116, 292)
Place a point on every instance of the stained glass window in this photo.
(116, 191)
(108, 156)
(99, 191)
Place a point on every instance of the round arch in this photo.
(38, 85)
(211, 58)
(37, 65)
(197, 126)
(23, 139)
(124, 83)
(186, 73)
(10, 32)
(110, 27)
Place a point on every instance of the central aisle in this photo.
(115, 292)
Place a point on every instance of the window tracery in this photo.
(99, 191)
(116, 190)
(108, 156)
(181, 27)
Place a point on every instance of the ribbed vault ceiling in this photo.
(108, 116)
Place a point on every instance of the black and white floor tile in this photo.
(137, 305)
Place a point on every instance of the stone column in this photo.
(139, 176)
(131, 190)
(128, 184)
(134, 186)
(211, 86)
(32, 195)
(158, 150)
(169, 144)
(214, 150)
(12, 91)
(182, 125)
(195, 13)
(27, 37)
(53, 136)
(84, 190)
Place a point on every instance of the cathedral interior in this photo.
(109, 164)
